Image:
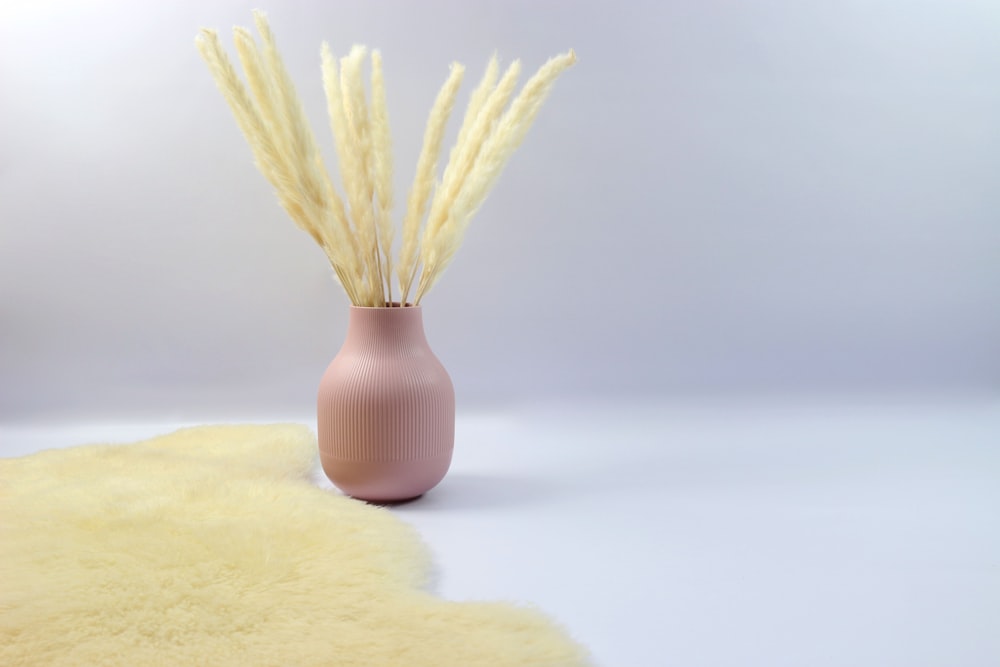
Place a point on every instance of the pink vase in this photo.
(386, 409)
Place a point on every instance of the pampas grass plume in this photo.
(503, 139)
(423, 182)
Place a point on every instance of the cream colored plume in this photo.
(423, 182)
(382, 144)
(440, 246)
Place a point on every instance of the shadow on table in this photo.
(461, 491)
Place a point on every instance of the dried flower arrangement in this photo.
(358, 237)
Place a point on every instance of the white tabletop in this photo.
(663, 533)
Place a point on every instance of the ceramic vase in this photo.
(386, 409)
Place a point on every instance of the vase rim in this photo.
(395, 306)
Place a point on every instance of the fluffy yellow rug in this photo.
(209, 546)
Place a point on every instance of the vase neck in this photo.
(386, 328)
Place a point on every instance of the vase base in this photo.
(393, 503)
(385, 482)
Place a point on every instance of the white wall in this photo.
(721, 197)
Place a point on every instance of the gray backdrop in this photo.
(721, 198)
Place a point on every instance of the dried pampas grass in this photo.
(358, 237)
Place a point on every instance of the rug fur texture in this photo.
(210, 546)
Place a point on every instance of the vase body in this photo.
(386, 409)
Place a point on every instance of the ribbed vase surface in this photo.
(386, 409)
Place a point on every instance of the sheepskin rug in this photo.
(210, 546)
